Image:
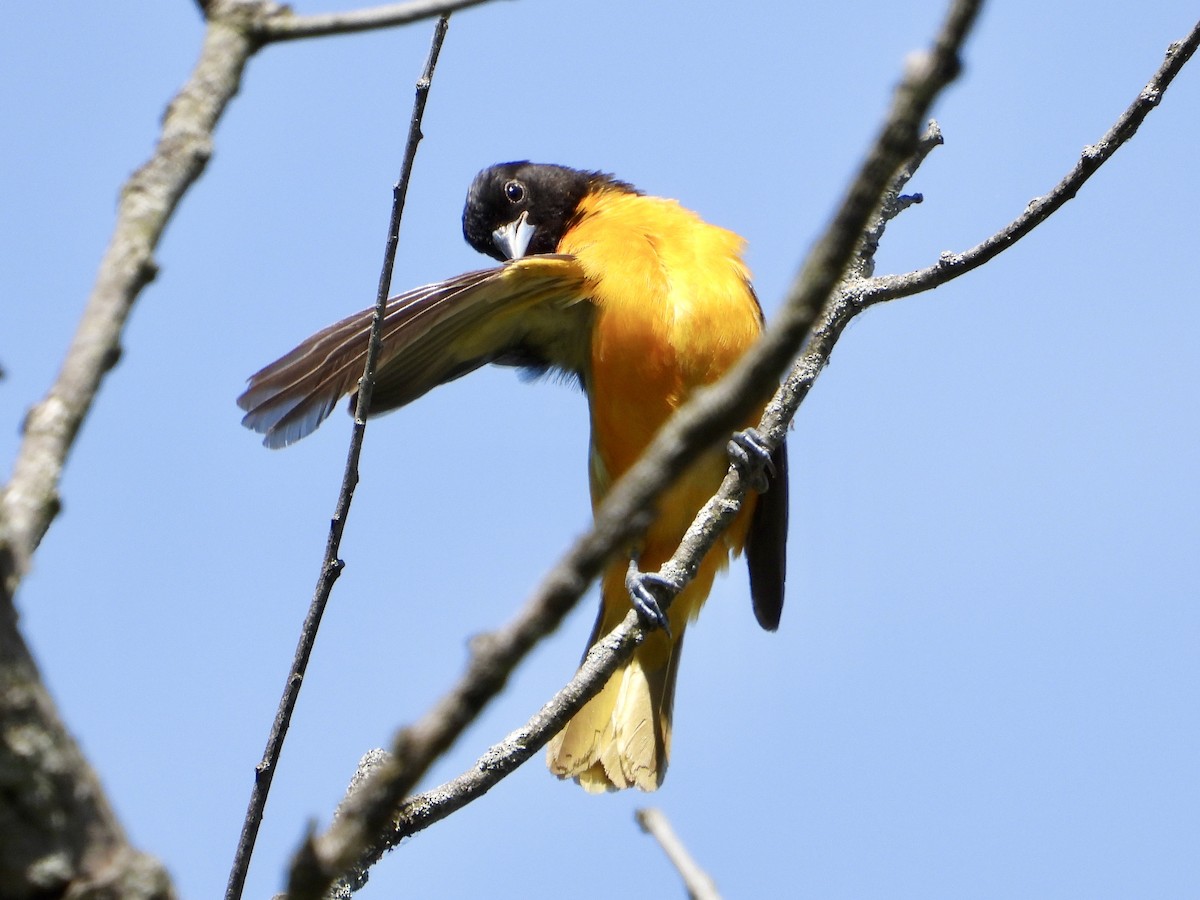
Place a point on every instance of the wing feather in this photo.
(431, 335)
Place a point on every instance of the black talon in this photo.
(641, 586)
(751, 456)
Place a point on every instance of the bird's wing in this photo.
(530, 308)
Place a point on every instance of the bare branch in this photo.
(856, 296)
(893, 204)
(696, 881)
(287, 26)
(331, 566)
(61, 836)
(369, 825)
(952, 265)
(705, 419)
(147, 201)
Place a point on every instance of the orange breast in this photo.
(674, 311)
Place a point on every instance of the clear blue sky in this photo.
(986, 680)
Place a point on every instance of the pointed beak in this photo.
(512, 240)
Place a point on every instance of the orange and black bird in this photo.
(643, 302)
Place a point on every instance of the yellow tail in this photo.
(622, 736)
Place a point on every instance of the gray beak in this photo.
(513, 239)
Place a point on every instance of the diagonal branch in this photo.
(236, 30)
(48, 786)
(354, 840)
(698, 883)
(952, 265)
(858, 293)
(147, 202)
(331, 565)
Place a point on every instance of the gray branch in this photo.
(30, 500)
(697, 882)
(952, 265)
(284, 25)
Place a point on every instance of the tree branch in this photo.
(698, 883)
(353, 840)
(857, 293)
(287, 26)
(331, 566)
(30, 500)
(952, 265)
(60, 835)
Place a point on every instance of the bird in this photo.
(642, 302)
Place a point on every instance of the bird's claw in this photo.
(750, 455)
(642, 588)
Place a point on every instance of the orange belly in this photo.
(673, 311)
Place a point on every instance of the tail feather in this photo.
(622, 736)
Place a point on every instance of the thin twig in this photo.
(952, 265)
(331, 565)
(698, 883)
(709, 415)
(857, 296)
(893, 204)
(287, 26)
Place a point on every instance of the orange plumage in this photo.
(674, 310)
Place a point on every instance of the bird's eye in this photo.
(514, 191)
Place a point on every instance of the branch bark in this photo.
(30, 500)
(698, 883)
(70, 839)
(287, 26)
(61, 836)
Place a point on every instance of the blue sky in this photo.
(985, 683)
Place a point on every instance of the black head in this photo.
(519, 208)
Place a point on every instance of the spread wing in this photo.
(532, 309)
(766, 545)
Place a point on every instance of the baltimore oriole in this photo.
(642, 301)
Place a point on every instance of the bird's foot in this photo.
(645, 590)
(749, 454)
